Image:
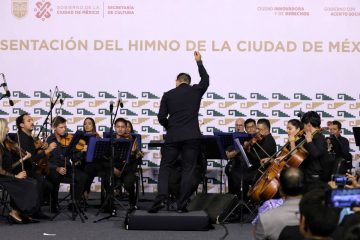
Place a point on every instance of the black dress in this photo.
(23, 192)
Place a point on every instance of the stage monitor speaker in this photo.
(165, 220)
(217, 206)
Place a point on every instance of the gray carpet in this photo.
(64, 228)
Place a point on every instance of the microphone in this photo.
(111, 106)
(7, 92)
(300, 114)
(120, 101)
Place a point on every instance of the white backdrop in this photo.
(212, 22)
(265, 59)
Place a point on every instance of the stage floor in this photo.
(64, 228)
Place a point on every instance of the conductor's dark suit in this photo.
(178, 113)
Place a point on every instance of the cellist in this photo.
(318, 159)
(25, 126)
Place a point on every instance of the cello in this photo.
(268, 184)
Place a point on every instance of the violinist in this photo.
(60, 167)
(128, 175)
(264, 146)
(22, 189)
(25, 126)
(250, 126)
(89, 126)
(316, 165)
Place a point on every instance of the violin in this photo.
(42, 164)
(14, 147)
(253, 141)
(66, 139)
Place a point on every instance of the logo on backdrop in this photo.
(43, 9)
(19, 8)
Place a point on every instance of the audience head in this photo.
(291, 182)
(316, 219)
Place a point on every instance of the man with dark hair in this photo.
(60, 167)
(258, 150)
(272, 222)
(317, 221)
(317, 165)
(265, 145)
(178, 114)
(340, 146)
(25, 126)
(124, 172)
(250, 126)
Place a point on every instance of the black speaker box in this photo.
(217, 206)
(165, 220)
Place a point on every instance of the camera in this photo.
(341, 180)
(342, 198)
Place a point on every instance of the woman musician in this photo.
(23, 192)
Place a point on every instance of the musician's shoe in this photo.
(157, 206)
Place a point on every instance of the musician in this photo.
(126, 173)
(294, 126)
(316, 164)
(240, 125)
(25, 126)
(340, 144)
(89, 126)
(22, 189)
(233, 167)
(178, 114)
(60, 167)
(264, 147)
(250, 126)
(129, 127)
(258, 152)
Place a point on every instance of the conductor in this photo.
(178, 114)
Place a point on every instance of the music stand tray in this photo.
(100, 149)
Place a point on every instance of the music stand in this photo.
(102, 149)
(241, 203)
(356, 131)
(212, 149)
(69, 152)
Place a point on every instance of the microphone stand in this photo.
(119, 103)
(52, 105)
(110, 193)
